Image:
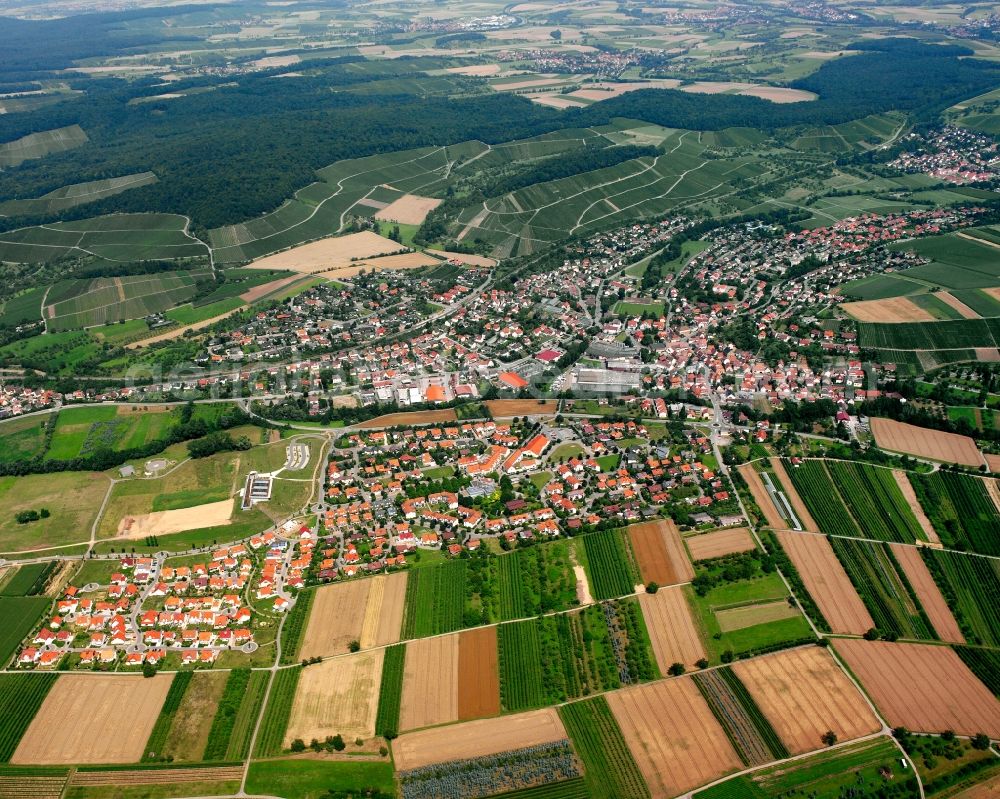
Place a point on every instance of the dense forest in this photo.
(262, 138)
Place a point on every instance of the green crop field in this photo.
(612, 572)
(161, 729)
(236, 715)
(956, 262)
(38, 145)
(390, 691)
(872, 765)
(555, 658)
(20, 697)
(985, 664)
(970, 585)
(527, 582)
(106, 300)
(28, 580)
(22, 438)
(960, 509)
(279, 706)
(883, 588)
(77, 194)
(813, 483)
(610, 771)
(749, 731)
(20, 615)
(118, 237)
(82, 431)
(435, 600)
(567, 789)
(295, 626)
(314, 779)
(875, 501)
(949, 335)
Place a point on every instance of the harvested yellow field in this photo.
(94, 719)
(928, 593)
(466, 258)
(337, 696)
(476, 738)
(336, 252)
(922, 687)
(804, 693)
(963, 309)
(798, 506)
(384, 611)
(164, 522)
(911, 498)
(719, 543)
(924, 443)
(772, 517)
(896, 309)
(476, 70)
(336, 618)
(676, 741)
(410, 209)
(671, 627)
(430, 682)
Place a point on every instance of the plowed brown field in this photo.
(676, 741)
(478, 674)
(827, 582)
(798, 506)
(336, 618)
(923, 688)
(412, 418)
(337, 696)
(723, 542)
(761, 497)
(660, 553)
(94, 719)
(477, 738)
(934, 444)
(671, 628)
(527, 407)
(928, 593)
(430, 682)
(804, 693)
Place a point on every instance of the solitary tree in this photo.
(829, 738)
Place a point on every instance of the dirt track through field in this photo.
(804, 693)
(827, 582)
(671, 628)
(336, 618)
(923, 688)
(798, 506)
(660, 553)
(477, 738)
(383, 619)
(911, 499)
(723, 542)
(338, 696)
(676, 741)
(928, 593)
(478, 674)
(934, 444)
(94, 719)
(761, 497)
(430, 682)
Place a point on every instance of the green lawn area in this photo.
(540, 479)
(626, 308)
(768, 588)
(311, 779)
(80, 431)
(567, 451)
(439, 472)
(608, 463)
(72, 499)
(21, 438)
